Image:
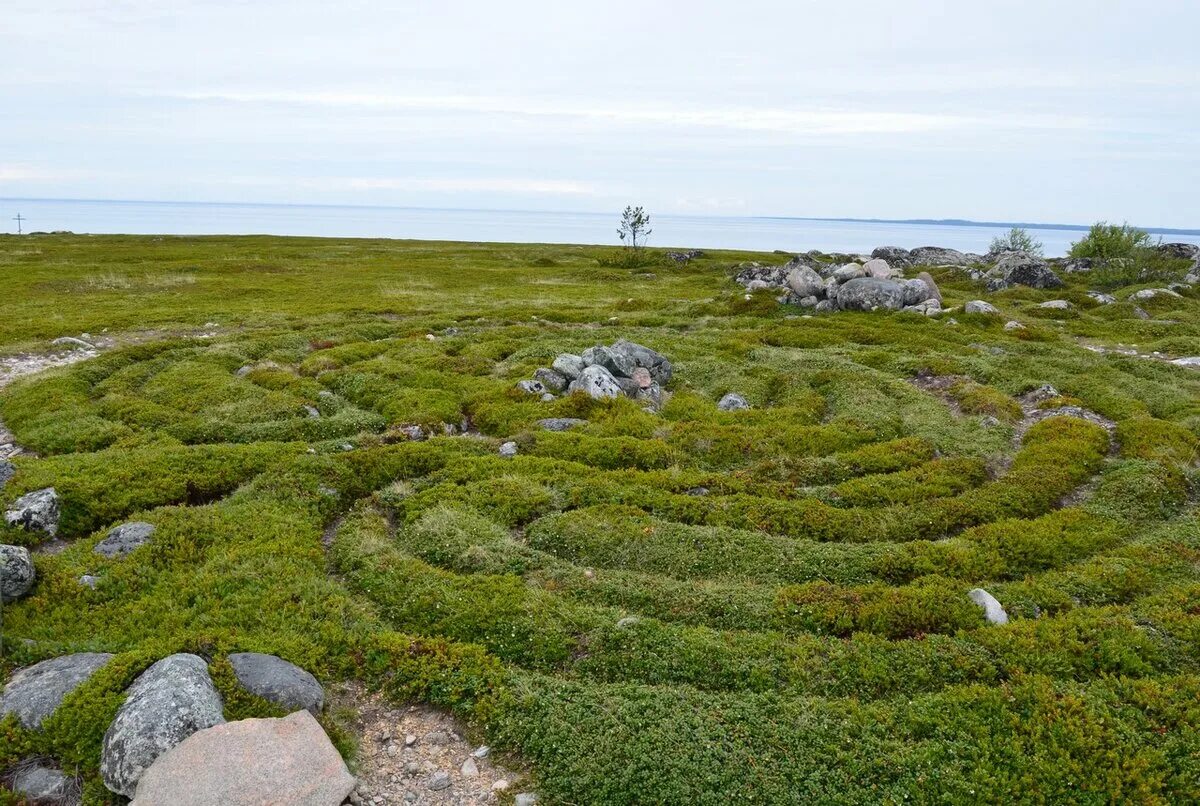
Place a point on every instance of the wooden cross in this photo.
(19, 219)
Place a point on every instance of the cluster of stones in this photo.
(623, 369)
(873, 284)
(169, 741)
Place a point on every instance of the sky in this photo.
(1068, 112)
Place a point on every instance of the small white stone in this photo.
(500, 785)
(482, 752)
(469, 768)
(410, 740)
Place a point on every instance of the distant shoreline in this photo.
(942, 222)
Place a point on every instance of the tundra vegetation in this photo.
(772, 604)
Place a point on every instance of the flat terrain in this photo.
(690, 606)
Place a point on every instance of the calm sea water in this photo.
(706, 232)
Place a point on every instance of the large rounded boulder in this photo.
(35, 692)
(16, 572)
(168, 702)
(870, 294)
(278, 681)
(1018, 268)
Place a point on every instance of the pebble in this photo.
(482, 752)
(469, 768)
(410, 740)
(440, 780)
(392, 750)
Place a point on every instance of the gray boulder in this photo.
(551, 379)
(929, 307)
(826, 306)
(1180, 251)
(278, 681)
(16, 566)
(597, 382)
(1018, 268)
(934, 292)
(894, 255)
(35, 692)
(35, 512)
(869, 294)
(168, 702)
(979, 306)
(804, 282)
(45, 786)
(250, 761)
(937, 256)
(531, 387)
(850, 271)
(992, 611)
(1056, 305)
(618, 364)
(508, 450)
(878, 267)
(733, 402)
(915, 291)
(658, 364)
(560, 423)
(7, 471)
(124, 539)
(568, 365)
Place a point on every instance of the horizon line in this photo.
(952, 222)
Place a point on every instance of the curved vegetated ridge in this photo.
(933, 558)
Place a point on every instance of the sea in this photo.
(757, 233)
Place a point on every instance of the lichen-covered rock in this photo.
(45, 786)
(1018, 268)
(508, 450)
(938, 256)
(992, 611)
(1102, 298)
(18, 574)
(732, 402)
(7, 471)
(894, 255)
(124, 539)
(35, 512)
(597, 382)
(659, 366)
(250, 761)
(552, 380)
(35, 692)
(931, 286)
(568, 365)
(278, 681)
(560, 423)
(531, 387)
(1056, 305)
(167, 703)
(979, 306)
(804, 282)
(869, 294)
(618, 363)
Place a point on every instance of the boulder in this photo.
(1018, 268)
(992, 611)
(937, 256)
(826, 306)
(167, 703)
(568, 365)
(642, 377)
(915, 291)
(869, 294)
(16, 566)
(508, 450)
(851, 271)
(979, 306)
(1188, 361)
(1102, 298)
(804, 282)
(930, 284)
(531, 387)
(652, 395)
(618, 364)
(929, 307)
(878, 267)
(250, 761)
(597, 382)
(658, 364)
(124, 539)
(1013, 325)
(1180, 251)
(1147, 293)
(1074, 265)
(45, 786)
(894, 255)
(733, 402)
(35, 692)
(552, 380)
(560, 423)
(1056, 305)
(7, 471)
(35, 512)
(278, 681)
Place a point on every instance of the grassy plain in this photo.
(799, 633)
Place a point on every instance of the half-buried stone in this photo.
(7, 471)
(278, 681)
(45, 786)
(35, 692)
(124, 539)
(560, 423)
(869, 294)
(167, 703)
(733, 402)
(16, 572)
(285, 761)
(992, 610)
(35, 512)
(597, 382)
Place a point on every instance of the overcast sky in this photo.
(1067, 111)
